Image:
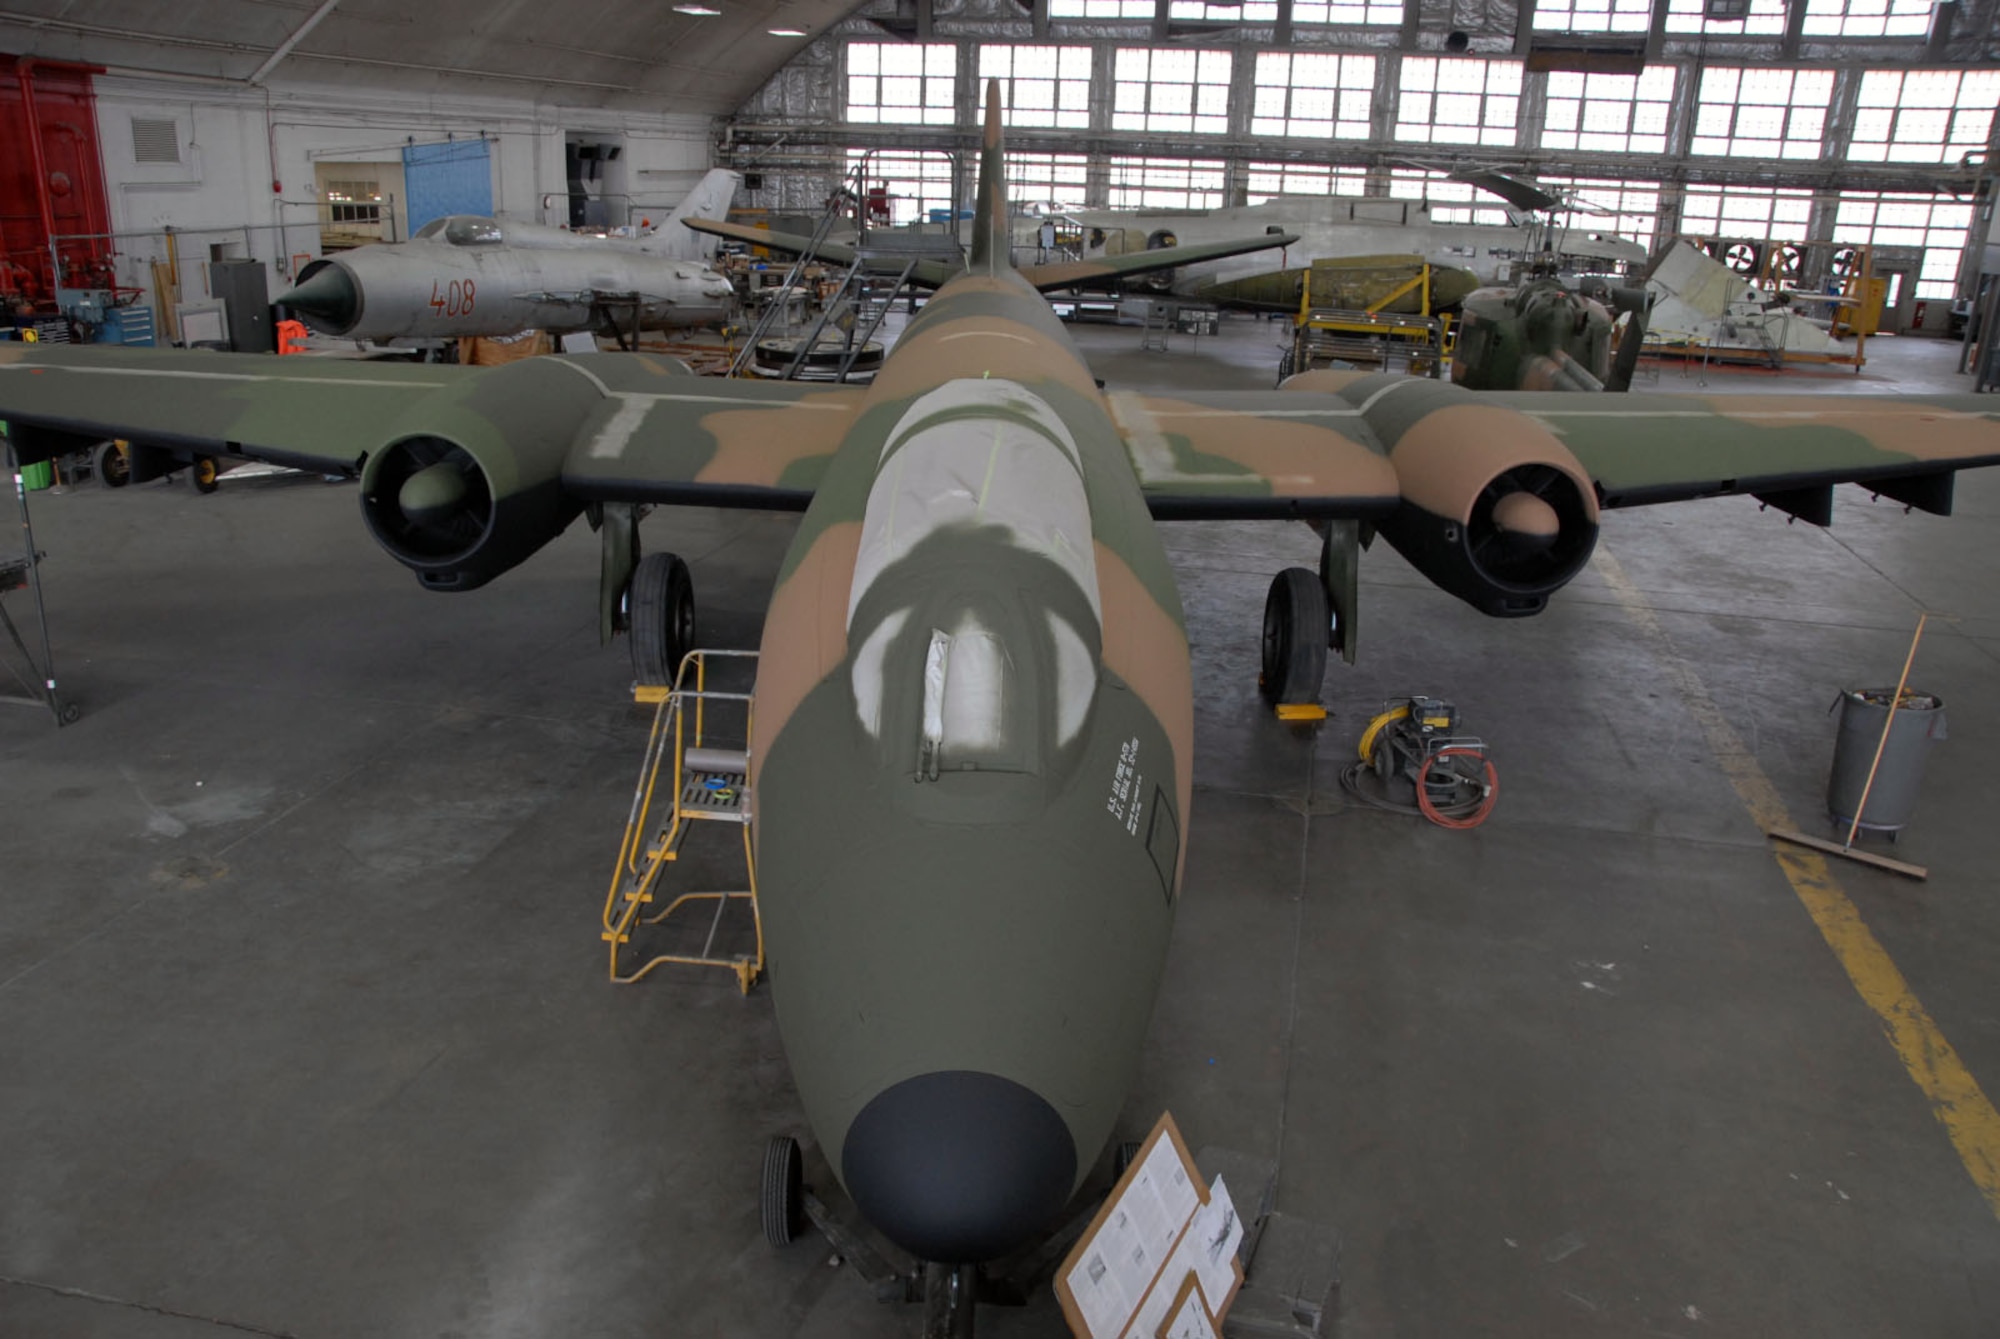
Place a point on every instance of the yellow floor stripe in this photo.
(1955, 1096)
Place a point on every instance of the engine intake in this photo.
(471, 483)
(1495, 509)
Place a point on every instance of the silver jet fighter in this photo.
(466, 275)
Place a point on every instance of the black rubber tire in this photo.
(203, 474)
(1295, 636)
(784, 1197)
(108, 463)
(659, 605)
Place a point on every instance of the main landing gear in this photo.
(659, 610)
(1296, 628)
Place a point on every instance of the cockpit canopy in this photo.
(463, 230)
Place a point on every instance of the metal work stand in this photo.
(24, 573)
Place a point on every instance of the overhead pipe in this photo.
(284, 48)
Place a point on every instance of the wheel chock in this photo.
(1300, 711)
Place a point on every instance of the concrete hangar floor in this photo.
(304, 1027)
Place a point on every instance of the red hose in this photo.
(1477, 816)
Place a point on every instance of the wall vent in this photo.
(155, 141)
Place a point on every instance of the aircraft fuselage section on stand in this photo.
(973, 743)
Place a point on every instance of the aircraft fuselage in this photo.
(972, 769)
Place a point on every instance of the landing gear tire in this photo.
(1295, 637)
(659, 606)
(784, 1199)
(108, 463)
(204, 474)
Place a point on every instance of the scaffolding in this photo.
(1418, 343)
(699, 746)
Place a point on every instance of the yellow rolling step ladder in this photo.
(699, 746)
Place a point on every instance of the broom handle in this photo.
(1888, 724)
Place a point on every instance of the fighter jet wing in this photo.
(1060, 274)
(310, 413)
(1248, 455)
(1665, 448)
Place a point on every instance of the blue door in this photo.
(450, 178)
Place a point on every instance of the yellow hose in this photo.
(1374, 729)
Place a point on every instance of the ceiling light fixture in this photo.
(786, 32)
(702, 10)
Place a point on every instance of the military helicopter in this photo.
(1544, 335)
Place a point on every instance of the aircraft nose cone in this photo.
(1527, 520)
(431, 492)
(959, 1166)
(327, 294)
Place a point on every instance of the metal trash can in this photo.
(1919, 722)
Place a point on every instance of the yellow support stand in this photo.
(707, 784)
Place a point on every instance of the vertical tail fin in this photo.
(710, 199)
(992, 243)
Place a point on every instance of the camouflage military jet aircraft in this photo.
(973, 744)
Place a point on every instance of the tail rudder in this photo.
(992, 244)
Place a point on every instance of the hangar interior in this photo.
(304, 1025)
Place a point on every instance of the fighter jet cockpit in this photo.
(462, 230)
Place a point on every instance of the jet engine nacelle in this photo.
(469, 483)
(1495, 510)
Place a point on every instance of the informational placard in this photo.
(1159, 1232)
(1190, 1318)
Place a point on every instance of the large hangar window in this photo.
(1609, 113)
(1055, 179)
(1313, 96)
(1766, 18)
(1166, 183)
(1938, 226)
(1225, 11)
(1450, 201)
(1445, 101)
(1040, 85)
(1746, 112)
(1379, 13)
(1170, 91)
(902, 82)
(902, 185)
(1100, 9)
(1754, 212)
(1265, 180)
(1628, 209)
(1868, 18)
(1923, 116)
(1593, 16)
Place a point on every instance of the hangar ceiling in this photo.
(636, 54)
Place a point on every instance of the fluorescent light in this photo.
(786, 32)
(703, 10)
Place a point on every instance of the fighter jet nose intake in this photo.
(959, 1166)
(325, 298)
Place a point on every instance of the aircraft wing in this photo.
(650, 433)
(1248, 455)
(311, 413)
(1069, 273)
(1665, 448)
(1061, 274)
(717, 443)
(928, 273)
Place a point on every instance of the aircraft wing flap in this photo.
(311, 413)
(926, 273)
(1642, 449)
(1254, 454)
(714, 444)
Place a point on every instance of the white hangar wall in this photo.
(233, 142)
